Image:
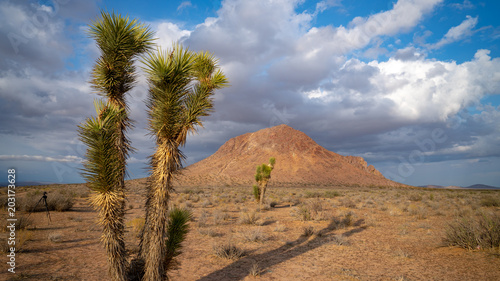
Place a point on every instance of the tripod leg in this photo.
(34, 208)
(47, 208)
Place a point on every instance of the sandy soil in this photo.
(394, 234)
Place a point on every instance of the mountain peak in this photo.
(299, 160)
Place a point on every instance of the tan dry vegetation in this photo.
(351, 234)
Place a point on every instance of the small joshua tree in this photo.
(262, 177)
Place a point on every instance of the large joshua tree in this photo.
(262, 177)
(181, 85)
(103, 171)
(120, 41)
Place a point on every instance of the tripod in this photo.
(44, 199)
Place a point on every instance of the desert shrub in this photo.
(60, 202)
(55, 202)
(228, 250)
(332, 194)
(479, 232)
(23, 222)
(310, 194)
(254, 235)
(220, 216)
(347, 202)
(22, 236)
(202, 220)
(307, 231)
(302, 213)
(343, 221)
(347, 220)
(247, 217)
(415, 197)
(490, 201)
(266, 205)
(419, 211)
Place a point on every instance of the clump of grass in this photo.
(255, 269)
(480, 232)
(55, 237)
(220, 216)
(228, 250)
(202, 220)
(307, 231)
(206, 203)
(340, 240)
(247, 217)
(254, 235)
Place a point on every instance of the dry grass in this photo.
(227, 250)
(248, 217)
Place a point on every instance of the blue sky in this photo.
(413, 86)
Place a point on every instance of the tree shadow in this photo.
(239, 269)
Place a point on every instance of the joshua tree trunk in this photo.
(263, 186)
(165, 162)
(112, 236)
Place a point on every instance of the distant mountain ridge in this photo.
(474, 186)
(299, 161)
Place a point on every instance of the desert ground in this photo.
(301, 233)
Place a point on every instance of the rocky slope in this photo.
(299, 161)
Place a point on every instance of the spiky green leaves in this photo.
(263, 171)
(102, 168)
(177, 231)
(120, 40)
(181, 83)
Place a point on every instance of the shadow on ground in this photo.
(239, 269)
